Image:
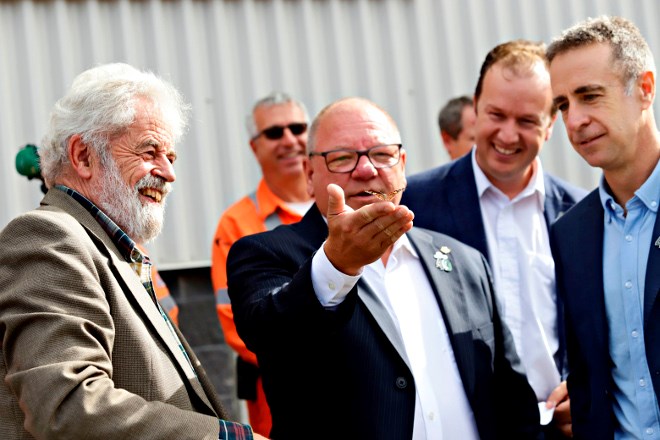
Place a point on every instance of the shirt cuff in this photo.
(234, 431)
(330, 285)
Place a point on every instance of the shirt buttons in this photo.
(649, 431)
(332, 286)
(642, 383)
(634, 333)
(431, 416)
(654, 204)
(628, 237)
(628, 285)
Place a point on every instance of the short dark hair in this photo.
(450, 116)
(516, 55)
(630, 52)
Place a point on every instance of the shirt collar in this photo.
(125, 245)
(648, 194)
(535, 185)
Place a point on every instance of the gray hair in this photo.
(630, 52)
(101, 104)
(274, 98)
(450, 118)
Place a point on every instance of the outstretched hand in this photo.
(358, 238)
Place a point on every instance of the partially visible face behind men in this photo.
(284, 156)
(513, 121)
(355, 124)
(136, 176)
(460, 146)
(601, 119)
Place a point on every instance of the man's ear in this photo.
(647, 84)
(80, 156)
(307, 169)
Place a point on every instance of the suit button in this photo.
(401, 382)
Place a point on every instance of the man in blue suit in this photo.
(607, 248)
(498, 200)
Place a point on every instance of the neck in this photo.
(291, 188)
(626, 179)
(513, 187)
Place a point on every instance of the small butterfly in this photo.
(386, 197)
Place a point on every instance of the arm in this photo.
(227, 233)
(270, 281)
(59, 344)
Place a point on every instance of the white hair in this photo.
(101, 104)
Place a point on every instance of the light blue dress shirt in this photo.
(625, 256)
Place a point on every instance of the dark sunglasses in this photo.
(277, 131)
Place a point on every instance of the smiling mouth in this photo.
(589, 140)
(505, 151)
(386, 197)
(153, 194)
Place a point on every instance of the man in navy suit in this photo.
(498, 200)
(607, 248)
(363, 327)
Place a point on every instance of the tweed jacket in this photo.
(85, 352)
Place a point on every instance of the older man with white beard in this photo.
(86, 351)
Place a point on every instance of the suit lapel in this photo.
(383, 318)
(133, 287)
(652, 281)
(452, 305)
(588, 255)
(464, 205)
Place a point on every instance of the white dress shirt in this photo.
(523, 272)
(442, 410)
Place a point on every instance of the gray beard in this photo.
(120, 202)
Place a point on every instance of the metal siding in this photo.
(409, 56)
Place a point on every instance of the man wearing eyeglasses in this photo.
(365, 327)
(277, 127)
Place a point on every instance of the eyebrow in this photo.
(579, 91)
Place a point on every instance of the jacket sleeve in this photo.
(59, 337)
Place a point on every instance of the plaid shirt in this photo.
(141, 264)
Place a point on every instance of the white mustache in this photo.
(154, 182)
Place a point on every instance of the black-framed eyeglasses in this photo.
(276, 132)
(345, 160)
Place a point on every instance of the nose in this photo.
(574, 118)
(508, 132)
(288, 138)
(164, 169)
(364, 169)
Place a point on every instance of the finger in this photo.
(559, 394)
(336, 203)
(562, 414)
(390, 223)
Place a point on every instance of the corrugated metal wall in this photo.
(409, 56)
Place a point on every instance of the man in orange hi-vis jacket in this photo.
(277, 128)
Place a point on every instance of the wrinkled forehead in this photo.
(356, 127)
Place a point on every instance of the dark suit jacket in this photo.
(85, 352)
(577, 245)
(445, 199)
(343, 373)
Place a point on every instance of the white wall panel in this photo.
(409, 56)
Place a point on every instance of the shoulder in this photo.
(575, 217)
(243, 206)
(433, 175)
(422, 237)
(560, 189)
